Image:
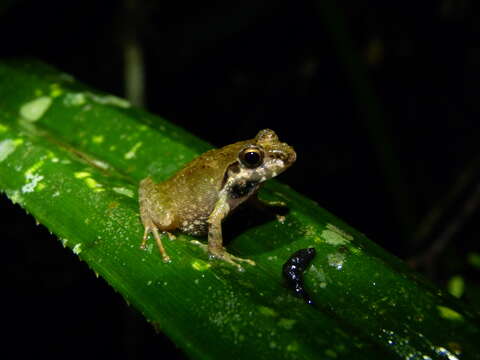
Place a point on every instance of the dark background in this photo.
(380, 100)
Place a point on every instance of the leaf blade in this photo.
(208, 308)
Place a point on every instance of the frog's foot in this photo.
(223, 255)
(229, 258)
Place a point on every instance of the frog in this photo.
(196, 199)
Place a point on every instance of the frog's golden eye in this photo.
(251, 157)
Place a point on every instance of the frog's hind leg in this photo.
(150, 227)
(153, 223)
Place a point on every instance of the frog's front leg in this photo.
(215, 240)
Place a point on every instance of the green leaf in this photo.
(73, 157)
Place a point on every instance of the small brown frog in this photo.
(198, 197)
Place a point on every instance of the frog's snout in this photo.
(289, 155)
(292, 156)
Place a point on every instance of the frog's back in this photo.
(206, 173)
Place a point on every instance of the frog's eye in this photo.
(251, 157)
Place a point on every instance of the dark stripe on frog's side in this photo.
(242, 189)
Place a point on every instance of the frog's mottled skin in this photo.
(197, 198)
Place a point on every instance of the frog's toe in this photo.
(248, 261)
(143, 244)
(279, 204)
(202, 246)
(171, 237)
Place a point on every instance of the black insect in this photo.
(293, 271)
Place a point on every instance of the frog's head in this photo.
(266, 157)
